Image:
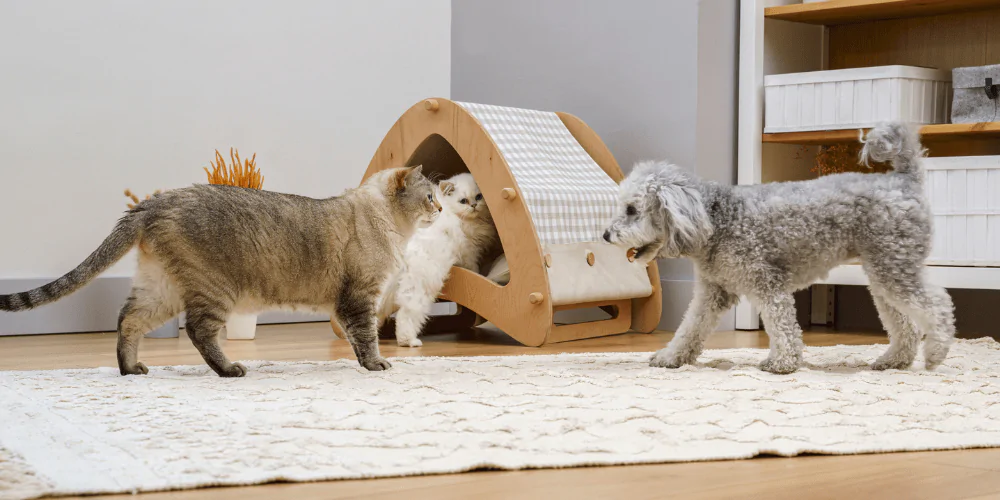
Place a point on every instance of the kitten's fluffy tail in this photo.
(897, 143)
(115, 246)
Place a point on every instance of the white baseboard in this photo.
(93, 308)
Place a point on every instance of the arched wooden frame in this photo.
(522, 308)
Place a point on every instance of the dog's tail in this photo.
(114, 247)
(897, 143)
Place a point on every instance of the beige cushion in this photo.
(572, 280)
(499, 271)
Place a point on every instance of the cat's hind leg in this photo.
(141, 314)
(205, 317)
(151, 303)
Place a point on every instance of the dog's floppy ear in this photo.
(687, 224)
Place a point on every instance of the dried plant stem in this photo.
(241, 173)
(135, 199)
(838, 159)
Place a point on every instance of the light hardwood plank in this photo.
(943, 42)
(928, 133)
(834, 12)
(904, 475)
(316, 342)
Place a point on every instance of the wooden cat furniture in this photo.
(549, 182)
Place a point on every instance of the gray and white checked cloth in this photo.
(569, 197)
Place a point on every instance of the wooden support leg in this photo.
(646, 311)
(621, 312)
(823, 302)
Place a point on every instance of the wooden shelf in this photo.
(929, 133)
(835, 12)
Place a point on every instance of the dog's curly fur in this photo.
(767, 241)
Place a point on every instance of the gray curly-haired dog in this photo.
(768, 241)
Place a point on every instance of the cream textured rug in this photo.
(87, 431)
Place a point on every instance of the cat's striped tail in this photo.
(115, 246)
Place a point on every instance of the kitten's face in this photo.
(413, 194)
(461, 196)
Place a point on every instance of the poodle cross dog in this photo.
(767, 241)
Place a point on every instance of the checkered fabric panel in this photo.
(571, 200)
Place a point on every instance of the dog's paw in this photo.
(414, 342)
(666, 359)
(779, 365)
(935, 354)
(891, 362)
(375, 364)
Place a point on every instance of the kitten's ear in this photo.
(447, 187)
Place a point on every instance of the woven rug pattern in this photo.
(91, 430)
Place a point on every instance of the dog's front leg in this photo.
(702, 315)
(785, 334)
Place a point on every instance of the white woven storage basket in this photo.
(964, 192)
(855, 98)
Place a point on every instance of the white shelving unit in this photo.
(787, 36)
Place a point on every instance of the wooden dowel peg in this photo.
(536, 298)
(590, 258)
(548, 260)
(431, 104)
(508, 194)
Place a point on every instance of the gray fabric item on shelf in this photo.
(972, 102)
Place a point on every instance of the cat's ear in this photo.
(399, 178)
(412, 173)
(397, 181)
(447, 187)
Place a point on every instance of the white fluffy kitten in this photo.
(459, 236)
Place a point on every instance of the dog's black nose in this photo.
(607, 235)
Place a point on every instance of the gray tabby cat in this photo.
(211, 250)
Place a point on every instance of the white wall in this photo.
(655, 79)
(101, 95)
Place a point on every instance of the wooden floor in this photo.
(948, 474)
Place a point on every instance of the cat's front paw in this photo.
(414, 342)
(138, 369)
(234, 370)
(375, 364)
